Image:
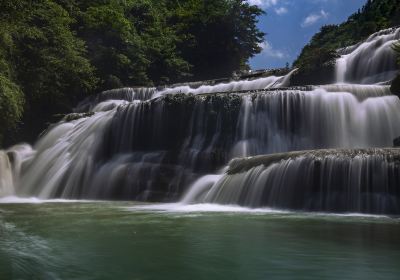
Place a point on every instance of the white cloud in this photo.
(281, 11)
(263, 3)
(269, 4)
(313, 18)
(269, 51)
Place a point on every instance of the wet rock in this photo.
(77, 116)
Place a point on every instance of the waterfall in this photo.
(363, 181)
(371, 61)
(286, 120)
(154, 149)
(66, 156)
(6, 176)
(165, 143)
(361, 92)
(11, 163)
(111, 98)
(234, 86)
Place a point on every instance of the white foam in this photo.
(202, 207)
(189, 209)
(35, 200)
(354, 215)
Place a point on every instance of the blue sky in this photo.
(290, 24)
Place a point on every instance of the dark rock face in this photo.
(321, 76)
(395, 87)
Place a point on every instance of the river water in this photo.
(123, 240)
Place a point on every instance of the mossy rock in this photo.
(77, 116)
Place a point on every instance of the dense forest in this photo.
(373, 16)
(55, 52)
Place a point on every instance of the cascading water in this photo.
(321, 180)
(246, 85)
(371, 61)
(10, 167)
(153, 143)
(6, 176)
(115, 96)
(152, 150)
(291, 120)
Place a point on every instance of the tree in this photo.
(166, 64)
(145, 42)
(218, 37)
(47, 61)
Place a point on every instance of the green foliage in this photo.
(41, 54)
(375, 15)
(318, 58)
(11, 105)
(146, 42)
(218, 37)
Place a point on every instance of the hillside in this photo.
(373, 16)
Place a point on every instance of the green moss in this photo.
(11, 106)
